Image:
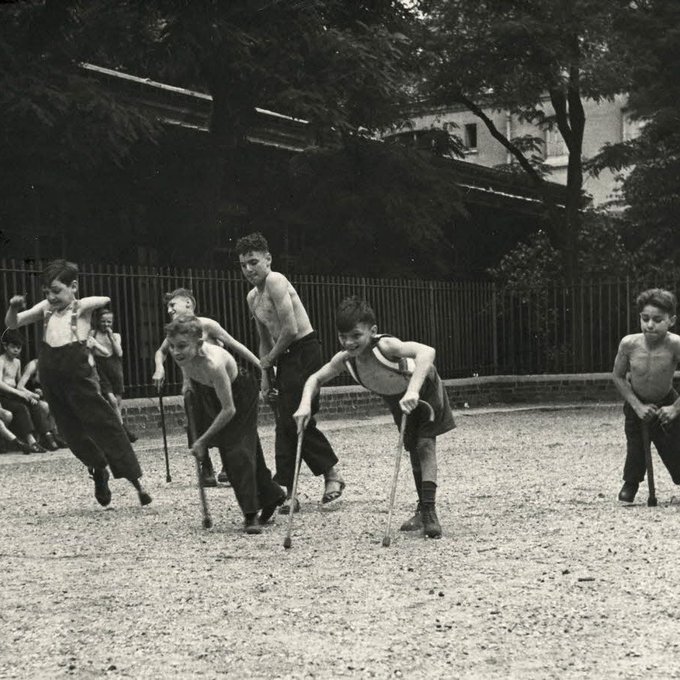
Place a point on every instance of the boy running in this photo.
(290, 344)
(226, 416)
(643, 374)
(83, 416)
(180, 302)
(402, 373)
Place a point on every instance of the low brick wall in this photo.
(143, 415)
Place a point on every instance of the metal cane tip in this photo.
(207, 523)
(651, 502)
(386, 542)
(287, 543)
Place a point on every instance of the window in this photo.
(470, 131)
(554, 144)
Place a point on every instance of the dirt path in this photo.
(540, 573)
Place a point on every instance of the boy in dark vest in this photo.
(403, 374)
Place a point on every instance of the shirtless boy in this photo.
(289, 344)
(181, 301)
(650, 358)
(225, 411)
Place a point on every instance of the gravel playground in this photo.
(540, 573)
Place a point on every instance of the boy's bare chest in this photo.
(9, 371)
(264, 310)
(652, 361)
(379, 378)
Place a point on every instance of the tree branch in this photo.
(502, 139)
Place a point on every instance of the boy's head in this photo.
(180, 302)
(60, 283)
(12, 342)
(657, 311)
(355, 322)
(104, 319)
(254, 257)
(184, 335)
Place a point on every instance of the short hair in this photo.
(99, 313)
(658, 297)
(184, 325)
(351, 311)
(60, 270)
(181, 292)
(11, 336)
(254, 242)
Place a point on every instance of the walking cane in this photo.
(387, 539)
(189, 404)
(646, 444)
(287, 542)
(168, 478)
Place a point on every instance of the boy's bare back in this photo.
(210, 364)
(651, 367)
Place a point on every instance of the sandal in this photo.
(285, 508)
(332, 494)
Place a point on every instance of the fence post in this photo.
(433, 318)
(494, 327)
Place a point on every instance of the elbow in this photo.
(229, 412)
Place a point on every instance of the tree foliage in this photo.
(509, 54)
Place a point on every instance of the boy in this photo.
(402, 373)
(29, 413)
(650, 358)
(107, 350)
(83, 416)
(226, 403)
(289, 343)
(181, 301)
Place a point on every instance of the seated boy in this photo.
(29, 413)
(402, 373)
(181, 302)
(225, 412)
(643, 374)
(83, 416)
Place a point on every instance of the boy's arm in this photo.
(423, 355)
(158, 377)
(93, 343)
(116, 344)
(334, 368)
(216, 331)
(619, 375)
(277, 287)
(87, 304)
(29, 370)
(19, 392)
(15, 317)
(667, 414)
(222, 386)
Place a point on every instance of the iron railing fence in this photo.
(475, 327)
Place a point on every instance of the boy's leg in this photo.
(635, 467)
(22, 423)
(415, 523)
(270, 494)
(427, 454)
(667, 443)
(293, 370)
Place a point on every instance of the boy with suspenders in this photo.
(83, 416)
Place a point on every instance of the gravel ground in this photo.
(540, 574)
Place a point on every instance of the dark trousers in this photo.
(666, 441)
(238, 442)
(84, 418)
(293, 368)
(26, 418)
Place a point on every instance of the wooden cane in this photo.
(646, 444)
(189, 405)
(387, 538)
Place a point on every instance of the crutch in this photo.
(189, 405)
(387, 539)
(287, 543)
(646, 444)
(168, 478)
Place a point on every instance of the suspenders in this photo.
(74, 321)
(401, 366)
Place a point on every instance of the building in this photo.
(606, 122)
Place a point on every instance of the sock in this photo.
(428, 493)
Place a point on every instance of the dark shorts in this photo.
(110, 371)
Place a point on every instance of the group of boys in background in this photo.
(73, 404)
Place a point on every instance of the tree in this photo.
(651, 188)
(508, 54)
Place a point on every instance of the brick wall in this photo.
(143, 415)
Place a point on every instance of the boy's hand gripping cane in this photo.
(287, 543)
(168, 478)
(387, 538)
(189, 406)
(646, 444)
